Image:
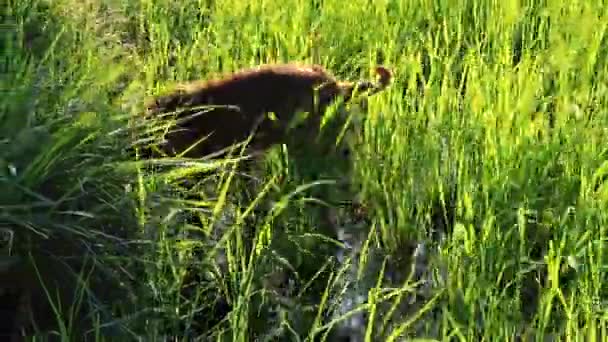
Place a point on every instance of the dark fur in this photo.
(282, 89)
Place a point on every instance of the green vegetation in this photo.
(489, 148)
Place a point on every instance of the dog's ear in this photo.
(384, 80)
(328, 92)
(365, 87)
(385, 76)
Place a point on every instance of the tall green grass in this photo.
(489, 147)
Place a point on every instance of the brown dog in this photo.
(264, 100)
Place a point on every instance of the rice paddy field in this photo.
(478, 180)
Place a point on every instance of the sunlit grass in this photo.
(492, 134)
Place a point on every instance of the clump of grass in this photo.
(63, 199)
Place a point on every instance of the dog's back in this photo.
(243, 102)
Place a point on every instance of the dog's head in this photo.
(337, 117)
